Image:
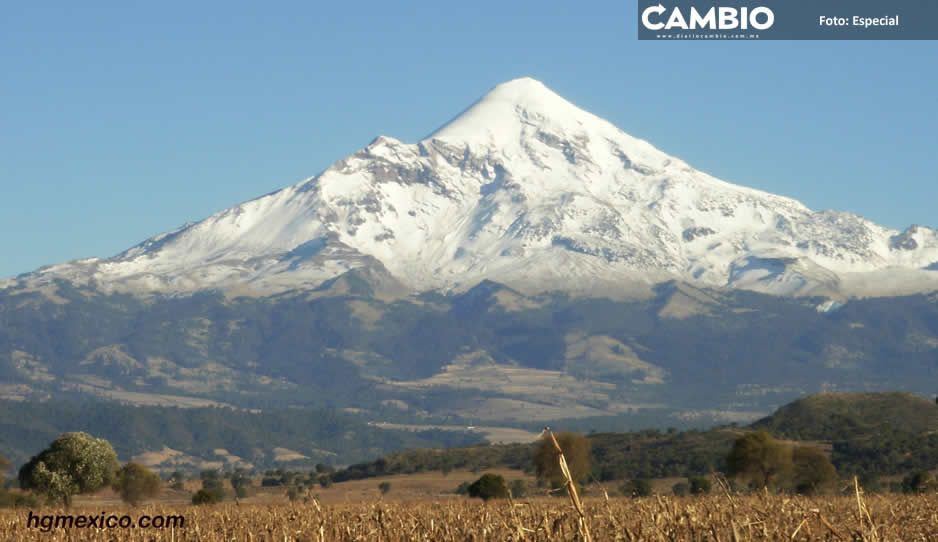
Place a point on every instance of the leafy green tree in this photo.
(576, 450)
(919, 482)
(760, 459)
(241, 483)
(213, 485)
(135, 483)
(488, 486)
(812, 471)
(699, 485)
(384, 487)
(202, 496)
(638, 487)
(75, 463)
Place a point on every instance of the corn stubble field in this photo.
(716, 518)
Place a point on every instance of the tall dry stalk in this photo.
(863, 512)
(582, 522)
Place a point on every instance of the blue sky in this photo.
(121, 120)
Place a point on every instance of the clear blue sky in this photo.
(119, 120)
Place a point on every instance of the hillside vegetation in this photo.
(852, 416)
(200, 434)
(490, 354)
(868, 434)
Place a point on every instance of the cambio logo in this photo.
(715, 18)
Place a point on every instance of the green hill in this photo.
(851, 416)
(869, 435)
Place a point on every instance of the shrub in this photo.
(241, 483)
(812, 471)
(488, 486)
(205, 497)
(699, 485)
(213, 485)
(135, 483)
(637, 488)
(919, 482)
(759, 459)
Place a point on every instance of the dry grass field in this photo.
(712, 518)
(406, 487)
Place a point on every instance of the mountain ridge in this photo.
(526, 189)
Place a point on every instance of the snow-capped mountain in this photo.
(525, 189)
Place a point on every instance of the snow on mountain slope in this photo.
(526, 189)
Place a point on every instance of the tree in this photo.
(760, 459)
(135, 482)
(73, 464)
(488, 486)
(918, 482)
(638, 487)
(205, 497)
(212, 485)
(576, 450)
(812, 471)
(699, 485)
(384, 487)
(680, 489)
(241, 483)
